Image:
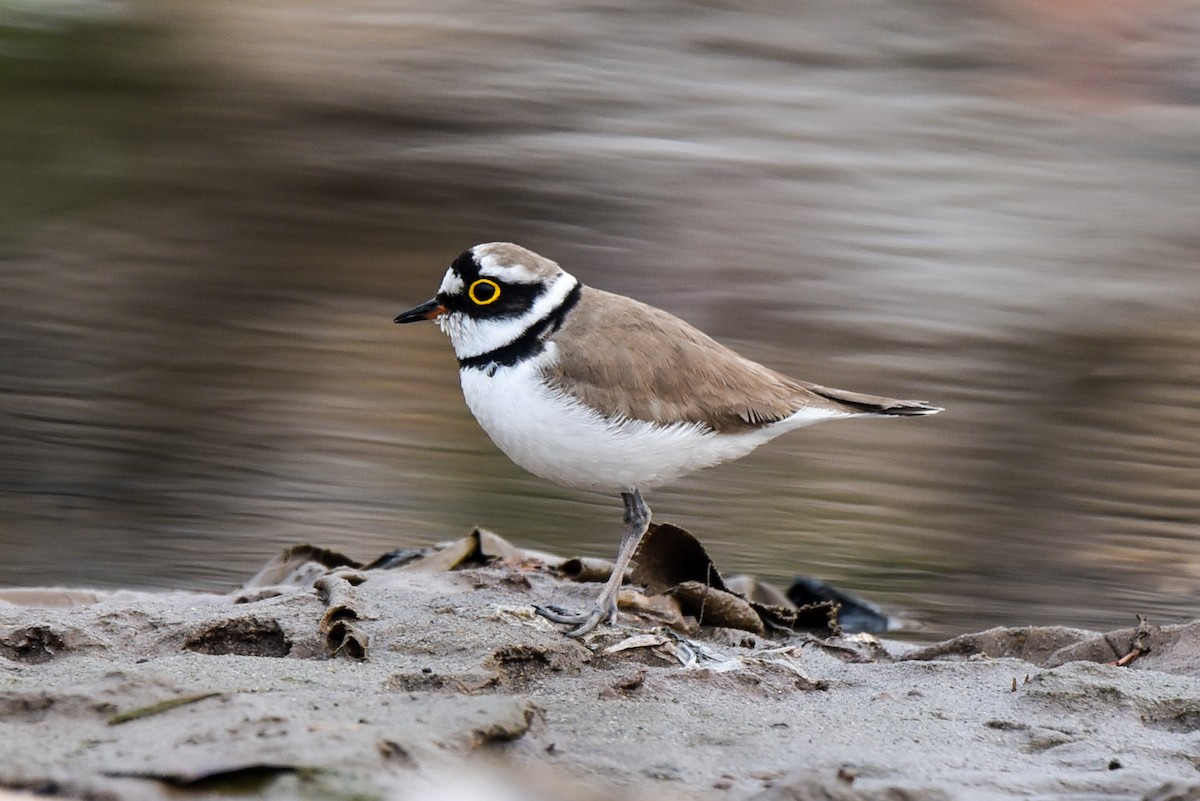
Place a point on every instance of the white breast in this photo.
(558, 438)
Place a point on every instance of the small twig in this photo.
(160, 707)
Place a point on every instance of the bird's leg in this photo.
(637, 520)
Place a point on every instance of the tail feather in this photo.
(874, 404)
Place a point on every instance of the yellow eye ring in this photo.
(492, 297)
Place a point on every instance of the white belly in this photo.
(556, 437)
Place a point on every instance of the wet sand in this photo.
(417, 683)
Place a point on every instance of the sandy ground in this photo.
(422, 683)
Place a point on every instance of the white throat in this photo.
(474, 337)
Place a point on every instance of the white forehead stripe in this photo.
(451, 284)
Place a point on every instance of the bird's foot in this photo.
(584, 622)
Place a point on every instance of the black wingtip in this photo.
(874, 404)
(909, 408)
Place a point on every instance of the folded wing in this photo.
(684, 375)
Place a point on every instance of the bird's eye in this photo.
(484, 291)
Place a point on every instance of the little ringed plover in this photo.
(600, 392)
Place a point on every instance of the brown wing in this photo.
(636, 361)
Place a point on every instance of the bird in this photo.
(597, 391)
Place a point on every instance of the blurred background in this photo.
(211, 212)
